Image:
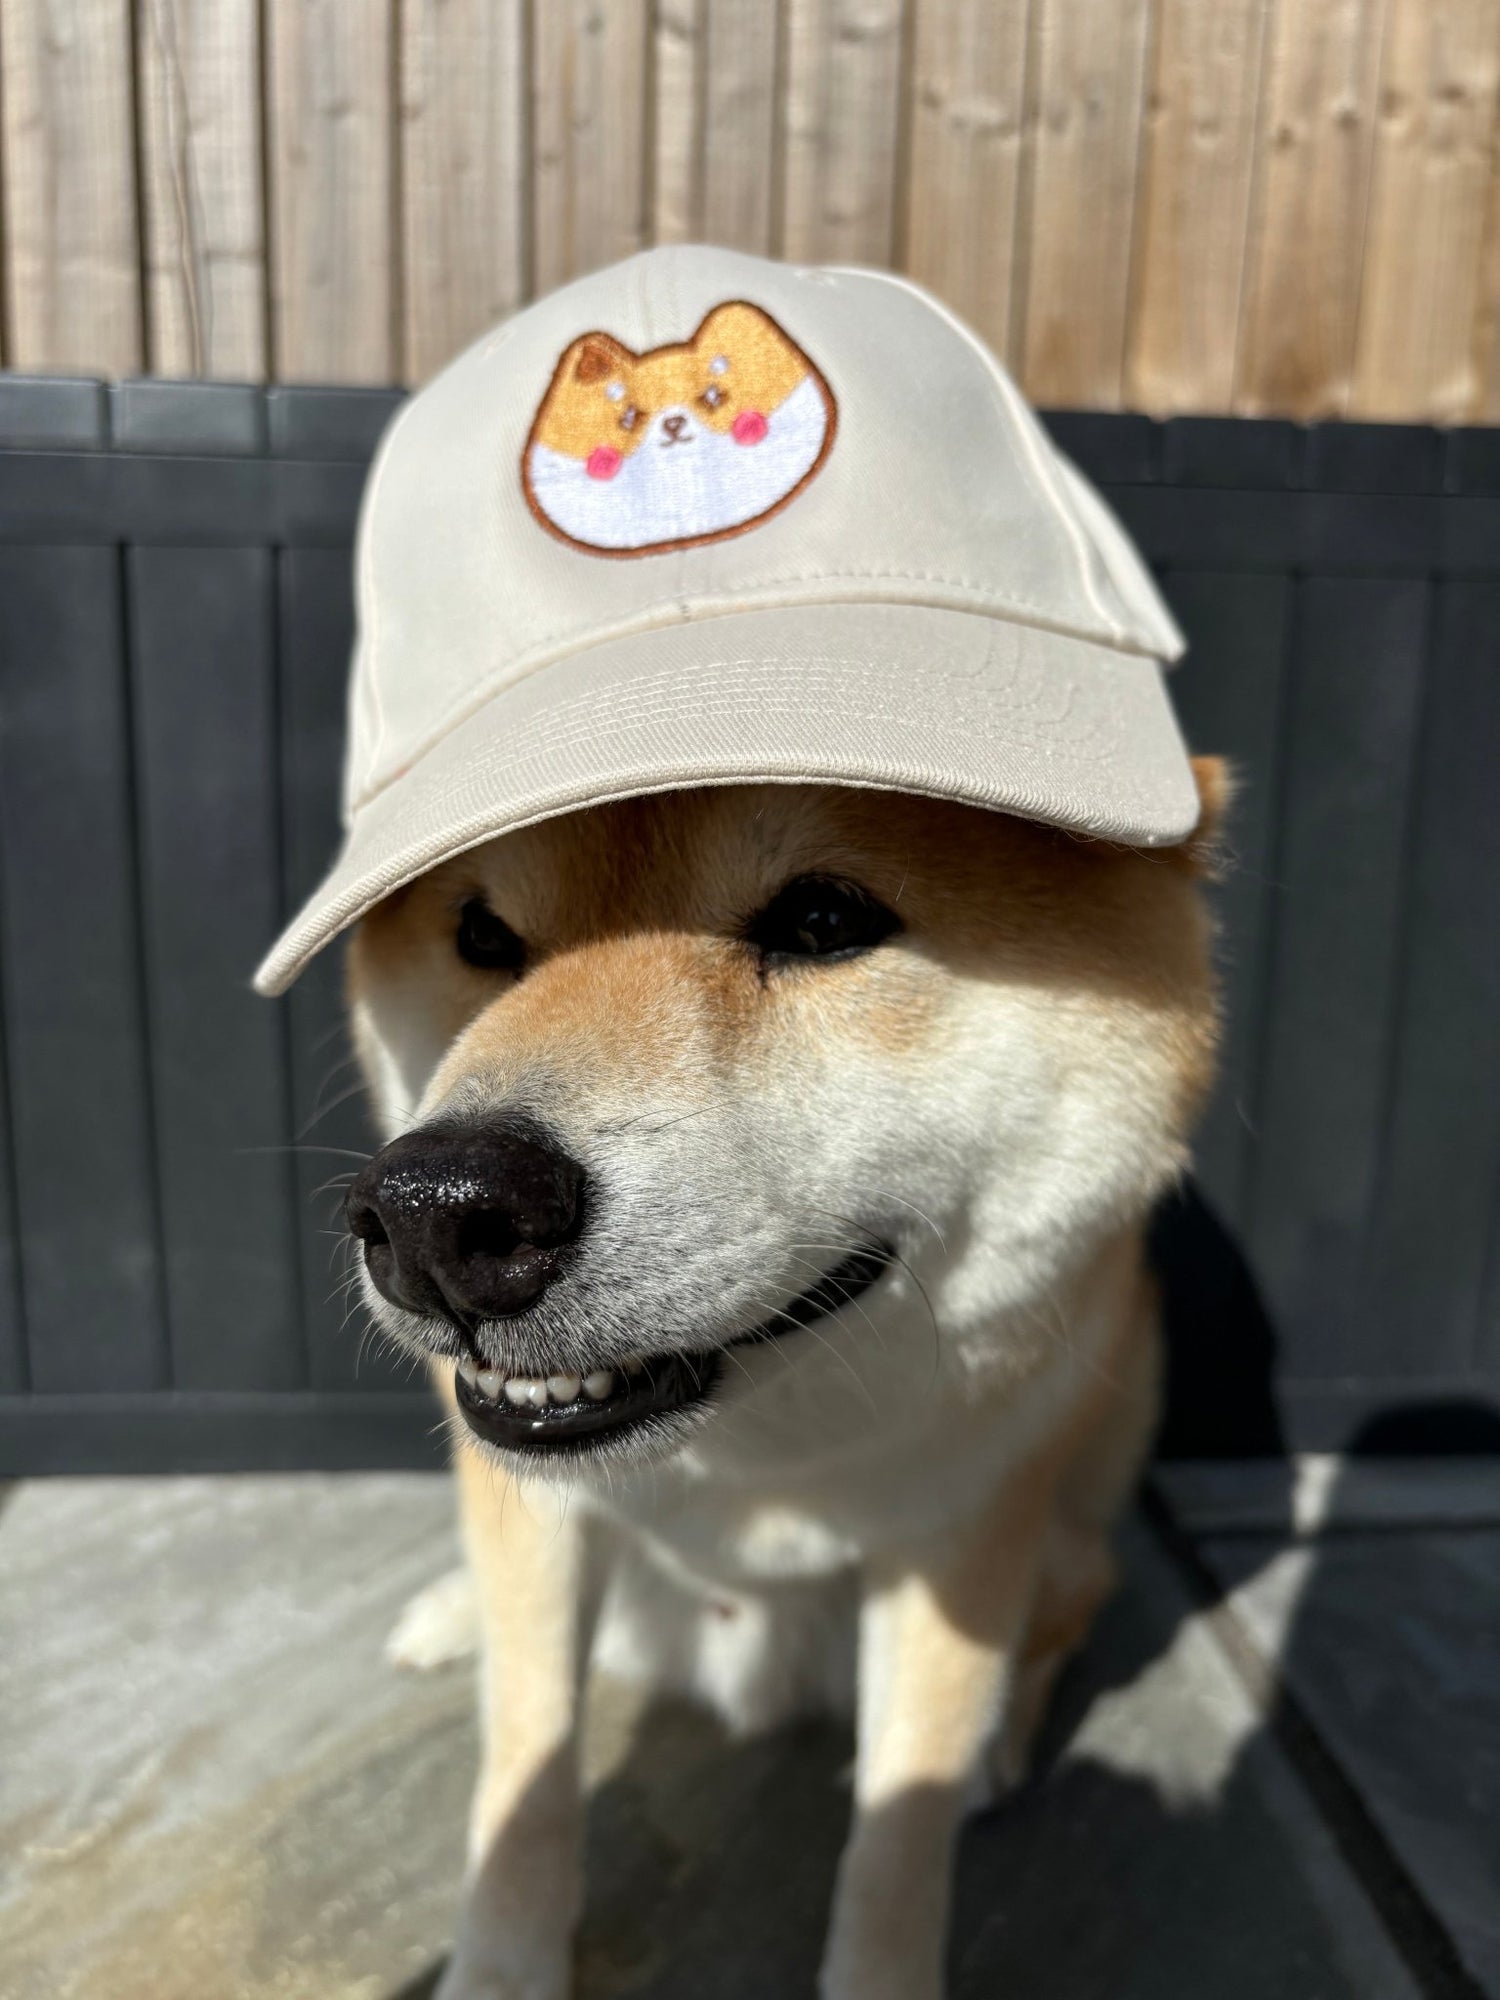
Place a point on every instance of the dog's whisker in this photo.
(842, 1250)
(334, 1033)
(339, 1185)
(345, 1061)
(887, 1194)
(322, 1111)
(780, 1312)
(932, 1319)
(903, 1264)
(298, 1148)
(856, 1305)
(615, 1128)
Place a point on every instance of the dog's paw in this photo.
(440, 1624)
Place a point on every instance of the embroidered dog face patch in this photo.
(634, 454)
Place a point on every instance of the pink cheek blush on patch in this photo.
(750, 427)
(603, 462)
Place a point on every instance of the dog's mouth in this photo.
(564, 1413)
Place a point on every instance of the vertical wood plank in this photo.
(588, 126)
(1486, 336)
(69, 942)
(714, 123)
(739, 92)
(72, 254)
(968, 88)
(1091, 75)
(333, 280)
(1302, 276)
(464, 167)
(843, 102)
(202, 181)
(677, 122)
(1434, 163)
(1194, 206)
(202, 669)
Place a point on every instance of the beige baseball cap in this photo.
(703, 519)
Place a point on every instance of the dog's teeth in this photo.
(516, 1388)
(599, 1385)
(564, 1388)
(487, 1381)
(469, 1370)
(633, 1364)
(536, 1392)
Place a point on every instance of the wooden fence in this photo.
(1283, 206)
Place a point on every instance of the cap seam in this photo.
(366, 602)
(1020, 415)
(676, 612)
(1041, 481)
(578, 719)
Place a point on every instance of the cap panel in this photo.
(933, 491)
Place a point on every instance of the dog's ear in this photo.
(1204, 847)
(596, 355)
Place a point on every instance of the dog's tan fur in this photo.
(969, 1512)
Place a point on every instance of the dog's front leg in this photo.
(938, 1634)
(536, 1575)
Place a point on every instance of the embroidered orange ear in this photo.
(599, 356)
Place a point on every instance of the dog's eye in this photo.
(817, 916)
(630, 416)
(712, 396)
(488, 941)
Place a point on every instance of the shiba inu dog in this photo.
(633, 454)
(780, 969)
(765, 1191)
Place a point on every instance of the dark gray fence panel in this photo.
(1375, 458)
(1433, 1220)
(1340, 867)
(14, 1370)
(175, 502)
(203, 655)
(175, 620)
(1240, 623)
(330, 1126)
(1487, 1341)
(80, 1101)
(248, 1430)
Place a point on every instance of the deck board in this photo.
(259, 1805)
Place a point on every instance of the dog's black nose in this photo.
(674, 426)
(466, 1225)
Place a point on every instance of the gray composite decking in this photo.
(211, 1783)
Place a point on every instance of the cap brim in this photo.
(950, 704)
